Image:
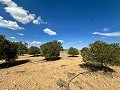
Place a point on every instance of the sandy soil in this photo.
(55, 75)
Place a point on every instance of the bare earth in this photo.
(39, 74)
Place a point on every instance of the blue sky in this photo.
(73, 22)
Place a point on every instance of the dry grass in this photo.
(39, 74)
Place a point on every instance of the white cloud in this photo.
(9, 24)
(105, 29)
(16, 41)
(36, 42)
(108, 34)
(12, 37)
(33, 43)
(49, 31)
(60, 41)
(39, 20)
(18, 13)
(21, 34)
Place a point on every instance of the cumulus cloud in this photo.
(39, 20)
(117, 34)
(12, 37)
(49, 31)
(21, 34)
(9, 24)
(18, 13)
(36, 42)
(105, 29)
(60, 41)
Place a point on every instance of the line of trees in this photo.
(9, 51)
(98, 52)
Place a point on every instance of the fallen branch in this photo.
(74, 78)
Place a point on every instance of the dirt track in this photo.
(55, 75)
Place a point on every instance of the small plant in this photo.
(62, 83)
(73, 51)
(33, 50)
(51, 50)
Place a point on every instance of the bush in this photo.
(22, 48)
(73, 51)
(51, 50)
(102, 53)
(33, 50)
(8, 50)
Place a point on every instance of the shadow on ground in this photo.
(94, 68)
(12, 64)
(52, 59)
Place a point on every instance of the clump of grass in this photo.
(61, 83)
(70, 75)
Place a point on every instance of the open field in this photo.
(38, 74)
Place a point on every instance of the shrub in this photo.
(51, 50)
(33, 50)
(73, 51)
(8, 50)
(102, 53)
(22, 48)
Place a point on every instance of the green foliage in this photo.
(8, 50)
(102, 53)
(22, 48)
(73, 51)
(85, 53)
(51, 50)
(33, 50)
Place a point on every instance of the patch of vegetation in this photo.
(70, 75)
(100, 54)
(8, 50)
(62, 83)
(51, 50)
(34, 51)
(73, 51)
(22, 48)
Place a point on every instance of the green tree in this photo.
(102, 53)
(51, 50)
(8, 50)
(33, 50)
(85, 53)
(22, 48)
(73, 51)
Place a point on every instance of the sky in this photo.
(75, 23)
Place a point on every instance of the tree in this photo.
(73, 51)
(33, 50)
(22, 48)
(51, 50)
(102, 53)
(8, 50)
(85, 53)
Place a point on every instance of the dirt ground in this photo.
(38, 74)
